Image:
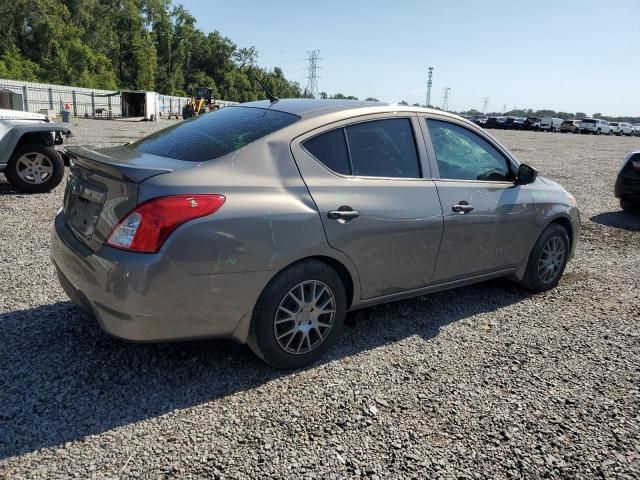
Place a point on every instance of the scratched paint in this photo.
(220, 264)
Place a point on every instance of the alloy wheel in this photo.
(34, 168)
(304, 317)
(551, 259)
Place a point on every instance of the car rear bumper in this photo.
(147, 297)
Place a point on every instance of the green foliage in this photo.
(137, 44)
(14, 65)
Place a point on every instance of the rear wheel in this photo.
(547, 259)
(598, 132)
(35, 168)
(299, 315)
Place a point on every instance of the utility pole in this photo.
(445, 98)
(484, 108)
(504, 108)
(313, 57)
(429, 83)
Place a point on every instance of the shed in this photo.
(10, 100)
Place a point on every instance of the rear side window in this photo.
(331, 149)
(214, 134)
(378, 148)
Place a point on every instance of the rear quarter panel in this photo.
(267, 222)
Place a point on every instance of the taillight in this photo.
(147, 227)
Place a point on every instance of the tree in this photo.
(371, 99)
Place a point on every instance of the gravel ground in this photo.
(486, 381)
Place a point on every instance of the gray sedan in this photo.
(267, 221)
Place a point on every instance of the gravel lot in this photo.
(486, 381)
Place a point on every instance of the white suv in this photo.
(621, 128)
(595, 126)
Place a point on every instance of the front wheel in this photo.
(547, 259)
(299, 315)
(35, 168)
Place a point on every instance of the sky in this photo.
(573, 55)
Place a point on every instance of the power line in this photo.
(486, 102)
(445, 98)
(313, 57)
(429, 83)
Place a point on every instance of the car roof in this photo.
(307, 108)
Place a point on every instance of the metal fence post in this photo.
(109, 103)
(93, 103)
(75, 104)
(50, 98)
(25, 99)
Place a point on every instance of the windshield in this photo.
(214, 134)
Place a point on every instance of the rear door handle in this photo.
(462, 207)
(343, 213)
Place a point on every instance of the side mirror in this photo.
(526, 174)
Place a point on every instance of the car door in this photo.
(488, 220)
(370, 180)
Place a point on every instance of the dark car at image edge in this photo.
(627, 187)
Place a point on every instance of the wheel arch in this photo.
(347, 277)
(565, 223)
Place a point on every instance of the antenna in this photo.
(484, 108)
(312, 79)
(445, 98)
(272, 98)
(429, 83)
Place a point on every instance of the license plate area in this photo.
(82, 206)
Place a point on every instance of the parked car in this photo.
(627, 187)
(493, 122)
(636, 130)
(479, 120)
(595, 126)
(518, 123)
(247, 223)
(572, 126)
(549, 124)
(532, 123)
(27, 154)
(509, 123)
(621, 128)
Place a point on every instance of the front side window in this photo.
(378, 148)
(464, 155)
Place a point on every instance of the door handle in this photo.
(462, 207)
(343, 213)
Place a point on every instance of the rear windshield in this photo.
(615, 124)
(588, 121)
(214, 134)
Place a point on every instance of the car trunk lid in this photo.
(102, 188)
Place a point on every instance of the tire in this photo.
(280, 311)
(35, 168)
(535, 277)
(598, 132)
(629, 205)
